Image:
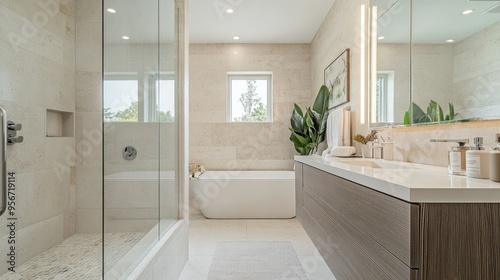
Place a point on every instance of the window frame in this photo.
(385, 104)
(249, 75)
(127, 76)
(151, 98)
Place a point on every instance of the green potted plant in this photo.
(309, 127)
(434, 113)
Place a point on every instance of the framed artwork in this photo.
(337, 80)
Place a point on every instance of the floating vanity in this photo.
(375, 219)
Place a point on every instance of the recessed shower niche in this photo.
(59, 124)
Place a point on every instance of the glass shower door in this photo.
(140, 130)
(168, 87)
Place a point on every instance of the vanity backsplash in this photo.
(412, 144)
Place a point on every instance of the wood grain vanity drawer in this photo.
(298, 185)
(390, 222)
(350, 253)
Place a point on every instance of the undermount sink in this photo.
(379, 165)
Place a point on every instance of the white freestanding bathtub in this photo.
(245, 194)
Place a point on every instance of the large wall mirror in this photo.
(443, 58)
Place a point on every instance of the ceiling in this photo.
(434, 21)
(138, 20)
(291, 21)
(256, 21)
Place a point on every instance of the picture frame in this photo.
(337, 79)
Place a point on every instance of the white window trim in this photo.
(386, 108)
(246, 75)
(150, 97)
(146, 93)
(128, 76)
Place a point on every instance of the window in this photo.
(161, 98)
(250, 97)
(383, 105)
(121, 98)
(130, 99)
(381, 98)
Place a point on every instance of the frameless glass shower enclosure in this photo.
(141, 157)
(92, 89)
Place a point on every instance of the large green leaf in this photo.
(301, 144)
(316, 119)
(417, 113)
(423, 119)
(321, 102)
(452, 114)
(314, 136)
(297, 119)
(431, 114)
(435, 112)
(308, 119)
(311, 145)
(300, 139)
(323, 124)
(297, 108)
(301, 150)
(309, 127)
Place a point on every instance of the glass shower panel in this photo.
(167, 94)
(132, 115)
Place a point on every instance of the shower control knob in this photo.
(15, 140)
(14, 126)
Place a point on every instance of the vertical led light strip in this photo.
(362, 70)
(373, 63)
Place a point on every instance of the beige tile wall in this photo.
(476, 74)
(37, 74)
(395, 58)
(220, 145)
(413, 144)
(432, 74)
(88, 116)
(340, 31)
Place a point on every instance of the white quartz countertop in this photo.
(408, 181)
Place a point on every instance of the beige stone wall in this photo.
(396, 58)
(37, 58)
(476, 74)
(432, 74)
(220, 145)
(88, 116)
(465, 73)
(412, 144)
(340, 30)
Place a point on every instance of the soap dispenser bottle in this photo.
(456, 155)
(477, 161)
(495, 161)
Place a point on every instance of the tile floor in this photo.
(204, 235)
(78, 257)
